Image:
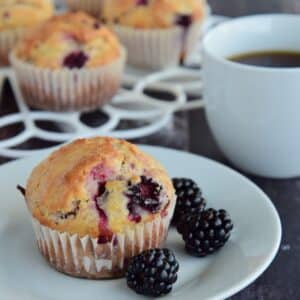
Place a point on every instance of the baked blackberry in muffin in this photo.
(97, 202)
(76, 63)
(16, 18)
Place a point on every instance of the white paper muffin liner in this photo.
(158, 48)
(68, 89)
(8, 40)
(93, 7)
(84, 257)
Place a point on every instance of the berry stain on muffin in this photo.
(106, 234)
(118, 198)
(96, 187)
(6, 15)
(97, 25)
(142, 2)
(140, 198)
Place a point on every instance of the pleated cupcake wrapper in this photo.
(8, 40)
(68, 89)
(192, 38)
(92, 7)
(84, 257)
(158, 48)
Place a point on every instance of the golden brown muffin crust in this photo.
(23, 13)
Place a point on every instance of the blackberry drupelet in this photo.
(206, 232)
(153, 272)
(189, 198)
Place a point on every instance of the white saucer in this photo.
(255, 241)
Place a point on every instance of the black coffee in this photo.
(272, 59)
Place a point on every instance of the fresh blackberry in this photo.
(206, 232)
(189, 198)
(153, 272)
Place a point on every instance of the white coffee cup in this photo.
(254, 112)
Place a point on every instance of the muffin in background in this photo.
(16, 17)
(97, 202)
(70, 62)
(156, 33)
(92, 7)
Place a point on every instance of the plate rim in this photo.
(251, 277)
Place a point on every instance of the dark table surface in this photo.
(189, 131)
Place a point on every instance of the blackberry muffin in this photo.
(97, 202)
(92, 7)
(157, 33)
(70, 62)
(16, 17)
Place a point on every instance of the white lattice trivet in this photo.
(134, 104)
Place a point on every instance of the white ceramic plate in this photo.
(255, 241)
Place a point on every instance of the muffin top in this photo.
(23, 13)
(99, 187)
(150, 14)
(71, 40)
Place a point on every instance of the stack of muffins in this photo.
(73, 61)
